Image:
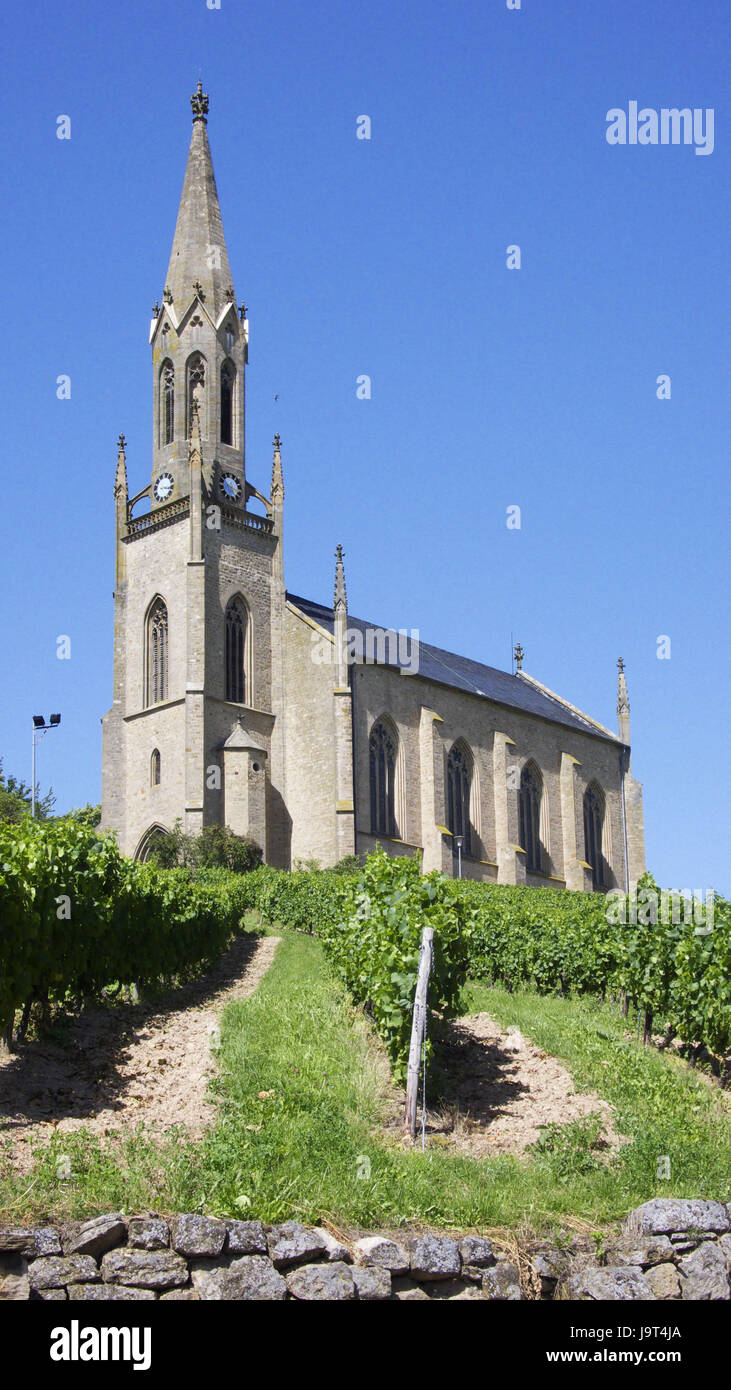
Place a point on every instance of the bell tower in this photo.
(199, 341)
(199, 594)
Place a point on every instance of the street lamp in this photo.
(458, 842)
(40, 728)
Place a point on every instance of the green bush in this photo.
(373, 944)
(552, 941)
(77, 916)
(215, 847)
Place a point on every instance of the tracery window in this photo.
(529, 805)
(459, 789)
(227, 403)
(157, 653)
(594, 813)
(383, 750)
(236, 643)
(167, 403)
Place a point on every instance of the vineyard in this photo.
(78, 918)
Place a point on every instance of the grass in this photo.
(301, 1093)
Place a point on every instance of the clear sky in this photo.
(491, 388)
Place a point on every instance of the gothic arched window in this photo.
(459, 790)
(383, 750)
(167, 403)
(155, 768)
(594, 813)
(236, 651)
(197, 390)
(529, 807)
(156, 646)
(227, 403)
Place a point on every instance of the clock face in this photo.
(230, 487)
(163, 487)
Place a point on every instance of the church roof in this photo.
(199, 246)
(461, 673)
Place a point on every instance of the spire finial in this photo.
(199, 103)
(277, 492)
(518, 655)
(341, 597)
(622, 696)
(195, 427)
(120, 481)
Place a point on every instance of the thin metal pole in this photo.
(33, 775)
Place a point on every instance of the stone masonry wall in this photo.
(666, 1250)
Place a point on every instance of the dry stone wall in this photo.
(666, 1249)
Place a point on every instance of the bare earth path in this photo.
(119, 1067)
(503, 1089)
(497, 1090)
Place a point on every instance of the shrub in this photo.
(76, 916)
(215, 847)
(373, 944)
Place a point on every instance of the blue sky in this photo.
(490, 388)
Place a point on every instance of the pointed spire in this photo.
(195, 451)
(340, 625)
(622, 703)
(341, 598)
(199, 255)
(120, 481)
(277, 491)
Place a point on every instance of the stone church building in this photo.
(238, 702)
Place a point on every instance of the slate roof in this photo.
(461, 673)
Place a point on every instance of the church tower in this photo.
(199, 595)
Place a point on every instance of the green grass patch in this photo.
(301, 1098)
(661, 1106)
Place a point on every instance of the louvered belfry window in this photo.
(157, 653)
(227, 403)
(236, 625)
(168, 404)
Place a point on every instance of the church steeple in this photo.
(199, 343)
(199, 259)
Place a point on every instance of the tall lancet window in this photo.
(529, 806)
(236, 651)
(155, 768)
(227, 403)
(167, 403)
(197, 390)
(459, 790)
(157, 653)
(594, 813)
(383, 749)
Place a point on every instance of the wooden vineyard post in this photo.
(417, 1030)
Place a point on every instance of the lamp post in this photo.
(40, 727)
(458, 841)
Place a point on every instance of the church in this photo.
(237, 702)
